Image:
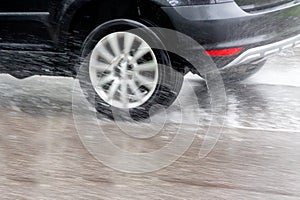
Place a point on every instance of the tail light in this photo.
(224, 52)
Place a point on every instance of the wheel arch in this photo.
(76, 17)
(74, 12)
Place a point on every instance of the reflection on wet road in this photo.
(257, 157)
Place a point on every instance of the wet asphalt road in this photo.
(257, 156)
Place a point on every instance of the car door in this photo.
(24, 23)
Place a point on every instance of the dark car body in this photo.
(36, 36)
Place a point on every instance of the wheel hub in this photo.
(129, 74)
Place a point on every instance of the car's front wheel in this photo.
(122, 72)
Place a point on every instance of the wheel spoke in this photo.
(113, 89)
(100, 66)
(141, 51)
(104, 53)
(105, 80)
(143, 80)
(128, 42)
(114, 44)
(124, 93)
(148, 66)
(135, 89)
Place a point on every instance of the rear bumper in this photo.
(226, 25)
(265, 51)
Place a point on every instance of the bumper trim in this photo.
(265, 51)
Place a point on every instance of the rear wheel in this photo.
(122, 72)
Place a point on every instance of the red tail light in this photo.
(224, 52)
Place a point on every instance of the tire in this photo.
(241, 72)
(132, 80)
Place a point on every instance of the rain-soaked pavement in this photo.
(257, 156)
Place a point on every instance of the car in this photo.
(121, 71)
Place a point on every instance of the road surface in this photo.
(256, 157)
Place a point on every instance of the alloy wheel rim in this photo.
(123, 70)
